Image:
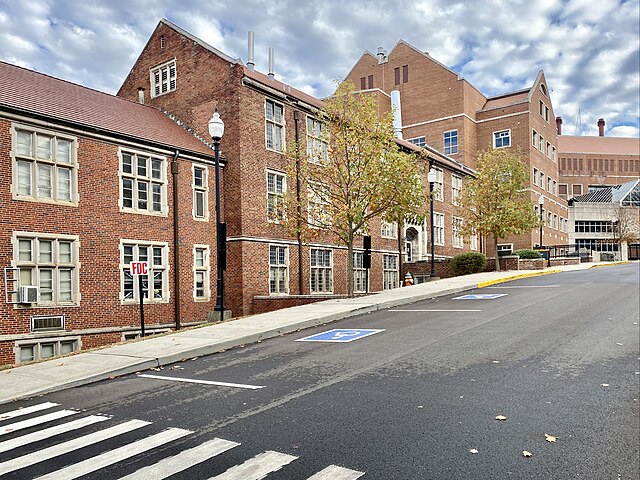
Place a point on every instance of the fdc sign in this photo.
(138, 268)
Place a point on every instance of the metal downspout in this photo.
(176, 238)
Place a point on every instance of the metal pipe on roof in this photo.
(397, 113)
(271, 63)
(250, 60)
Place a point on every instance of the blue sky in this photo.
(589, 49)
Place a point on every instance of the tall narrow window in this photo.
(534, 138)
(438, 229)
(200, 193)
(201, 272)
(370, 81)
(143, 183)
(458, 241)
(156, 283)
(44, 166)
(396, 73)
(278, 269)
(405, 73)
(438, 186)
(389, 229)
(363, 83)
(456, 188)
(316, 141)
(163, 78)
(359, 273)
(318, 204)
(321, 274)
(274, 125)
(390, 275)
(451, 142)
(276, 188)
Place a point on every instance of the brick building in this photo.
(443, 110)
(90, 186)
(588, 163)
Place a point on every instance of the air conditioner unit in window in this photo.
(29, 294)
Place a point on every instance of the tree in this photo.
(361, 175)
(497, 202)
(625, 225)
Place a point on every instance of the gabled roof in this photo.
(607, 145)
(506, 99)
(30, 93)
(613, 194)
(436, 156)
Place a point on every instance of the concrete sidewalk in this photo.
(83, 368)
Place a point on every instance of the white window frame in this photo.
(502, 247)
(456, 188)
(278, 269)
(501, 135)
(438, 228)
(390, 271)
(275, 199)
(534, 138)
(37, 264)
(317, 145)
(137, 179)
(320, 275)
(360, 277)
(37, 345)
(473, 242)
(164, 269)
(389, 229)
(451, 149)
(163, 85)
(456, 238)
(438, 185)
(204, 270)
(540, 143)
(200, 190)
(276, 127)
(35, 163)
(544, 111)
(318, 204)
(419, 141)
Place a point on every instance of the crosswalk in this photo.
(255, 468)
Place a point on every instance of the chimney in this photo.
(141, 95)
(250, 60)
(397, 113)
(382, 55)
(601, 127)
(559, 125)
(271, 75)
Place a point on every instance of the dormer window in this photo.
(163, 78)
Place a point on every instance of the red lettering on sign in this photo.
(138, 268)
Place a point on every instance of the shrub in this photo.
(466, 263)
(527, 253)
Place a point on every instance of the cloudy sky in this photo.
(589, 49)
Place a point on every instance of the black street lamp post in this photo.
(540, 204)
(216, 130)
(431, 177)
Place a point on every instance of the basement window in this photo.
(42, 349)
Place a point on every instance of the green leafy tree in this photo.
(361, 175)
(497, 202)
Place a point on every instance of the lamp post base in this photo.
(215, 316)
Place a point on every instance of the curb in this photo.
(610, 264)
(517, 277)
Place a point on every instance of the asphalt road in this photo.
(555, 355)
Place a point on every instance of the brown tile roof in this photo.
(283, 88)
(611, 145)
(438, 157)
(32, 93)
(507, 99)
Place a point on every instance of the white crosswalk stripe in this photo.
(258, 467)
(50, 432)
(13, 427)
(333, 472)
(172, 465)
(69, 446)
(114, 456)
(27, 410)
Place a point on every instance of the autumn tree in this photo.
(349, 172)
(496, 203)
(625, 225)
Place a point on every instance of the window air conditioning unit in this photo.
(29, 294)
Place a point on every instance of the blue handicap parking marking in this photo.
(480, 296)
(340, 335)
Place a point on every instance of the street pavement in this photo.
(135, 356)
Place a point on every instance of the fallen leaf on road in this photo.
(496, 361)
(111, 378)
(501, 417)
(550, 438)
(155, 369)
(420, 406)
(473, 450)
(138, 373)
(176, 367)
(60, 364)
(618, 343)
(527, 454)
(195, 358)
(605, 384)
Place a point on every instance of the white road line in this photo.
(432, 310)
(257, 467)
(27, 410)
(176, 464)
(50, 432)
(527, 286)
(71, 445)
(333, 472)
(116, 455)
(12, 427)
(203, 382)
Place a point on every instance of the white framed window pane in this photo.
(64, 184)
(127, 192)
(143, 195)
(46, 285)
(142, 166)
(199, 210)
(199, 260)
(156, 169)
(67, 347)
(63, 151)
(128, 285)
(128, 254)
(26, 276)
(157, 284)
(44, 181)
(65, 286)
(198, 177)
(64, 249)
(44, 146)
(46, 251)
(143, 254)
(156, 197)
(23, 143)
(127, 163)
(199, 284)
(47, 350)
(27, 353)
(24, 178)
(269, 135)
(157, 256)
(25, 250)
